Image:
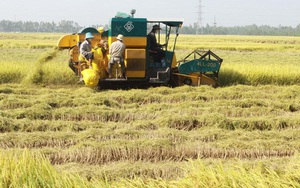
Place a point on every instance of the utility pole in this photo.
(15, 24)
(200, 18)
(215, 22)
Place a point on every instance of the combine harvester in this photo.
(143, 67)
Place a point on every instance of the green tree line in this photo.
(73, 27)
(243, 30)
(29, 26)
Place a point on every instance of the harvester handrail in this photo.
(208, 53)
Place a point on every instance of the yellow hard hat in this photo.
(100, 30)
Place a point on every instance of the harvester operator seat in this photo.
(153, 55)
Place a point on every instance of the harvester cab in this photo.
(162, 60)
(143, 63)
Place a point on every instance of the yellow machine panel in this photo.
(135, 62)
(67, 41)
(135, 53)
(81, 37)
(131, 42)
(135, 74)
(174, 61)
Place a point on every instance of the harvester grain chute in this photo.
(142, 65)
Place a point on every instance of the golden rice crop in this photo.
(59, 133)
(252, 60)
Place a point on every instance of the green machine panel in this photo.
(199, 66)
(129, 27)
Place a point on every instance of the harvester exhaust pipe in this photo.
(133, 11)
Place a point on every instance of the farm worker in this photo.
(116, 52)
(103, 44)
(86, 48)
(155, 47)
(73, 62)
(102, 48)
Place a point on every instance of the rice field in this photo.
(55, 132)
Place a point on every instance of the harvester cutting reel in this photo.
(198, 68)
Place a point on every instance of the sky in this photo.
(98, 12)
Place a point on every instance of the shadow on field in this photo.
(126, 85)
(226, 78)
(231, 77)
